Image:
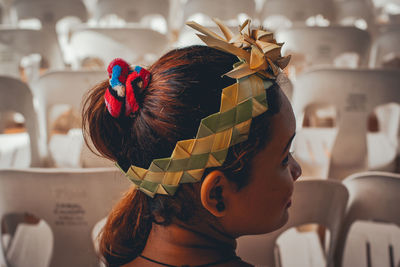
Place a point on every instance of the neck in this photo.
(204, 242)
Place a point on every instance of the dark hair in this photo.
(186, 86)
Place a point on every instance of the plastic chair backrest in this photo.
(373, 196)
(355, 94)
(129, 43)
(385, 44)
(298, 11)
(16, 96)
(321, 45)
(49, 12)
(372, 243)
(132, 10)
(86, 195)
(314, 201)
(23, 42)
(222, 9)
(63, 87)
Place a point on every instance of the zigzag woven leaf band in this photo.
(260, 60)
(240, 103)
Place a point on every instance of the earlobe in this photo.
(212, 193)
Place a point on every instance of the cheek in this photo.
(278, 187)
(277, 195)
(263, 203)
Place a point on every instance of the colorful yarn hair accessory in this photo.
(125, 83)
(260, 60)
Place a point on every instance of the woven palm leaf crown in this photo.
(259, 63)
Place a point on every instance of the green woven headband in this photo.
(240, 103)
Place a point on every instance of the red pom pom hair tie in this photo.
(124, 83)
(118, 71)
(137, 81)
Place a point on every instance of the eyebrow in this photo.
(288, 144)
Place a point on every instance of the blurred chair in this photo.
(66, 88)
(278, 14)
(85, 195)
(358, 13)
(372, 243)
(385, 51)
(136, 45)
(17, 43)
(32, 240)
(48, 12)
(228, 11)
(1, 13)
(347, 148)
(373, 197)
(387, 11)
(54, 17)
(144, 12)
(17, 97)
(314, 201)
(324, 46)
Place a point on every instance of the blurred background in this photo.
(343, 81)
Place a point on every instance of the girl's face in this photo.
(262, 205)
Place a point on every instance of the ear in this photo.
(207, 192)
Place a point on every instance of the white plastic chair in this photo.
(359, 13)
(348, 147)
(16, 43)
(63, 88)
(34, 242)
(17, 97)
(85, 195)
(132, 10)
(48, 12)
(385, 47)
(373, 197)
(133, 44)
(371, 243)
(314, 201)
(225, 10)
(1, 12)
(322, 46)
(297, 12)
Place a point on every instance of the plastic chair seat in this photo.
(313, 147)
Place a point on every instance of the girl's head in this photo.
(256, 178)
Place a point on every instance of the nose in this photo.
(295, 169)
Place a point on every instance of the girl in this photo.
(208, 154)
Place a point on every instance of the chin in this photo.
(270, 226)
(283, 220)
